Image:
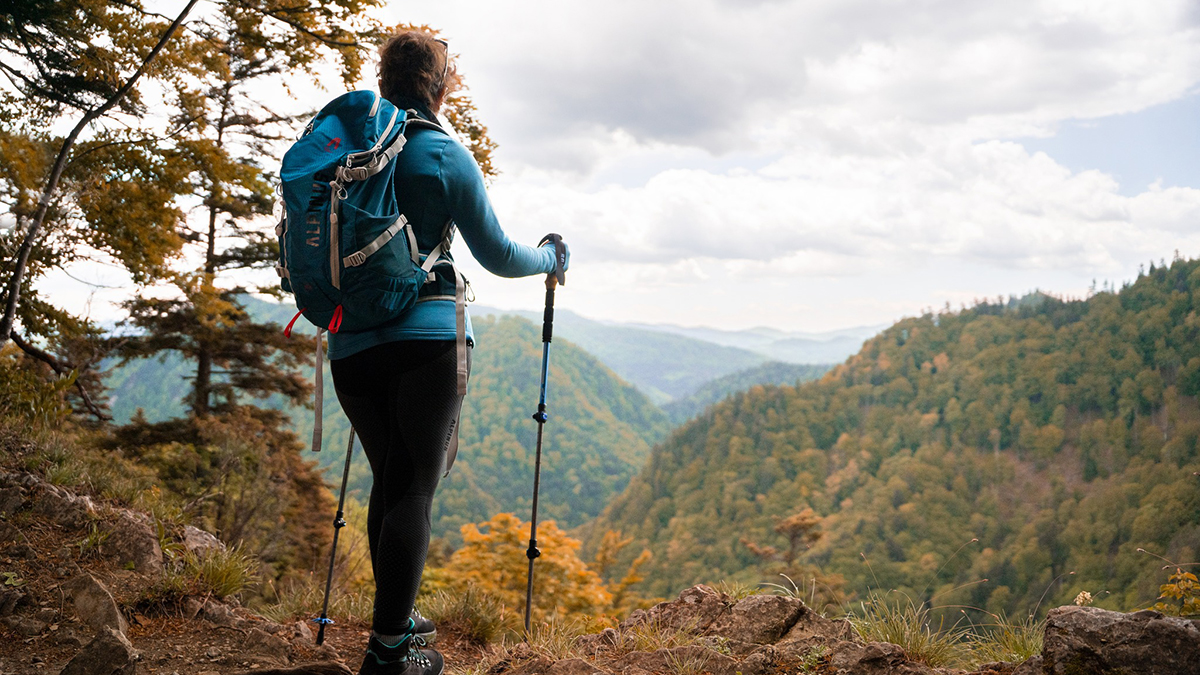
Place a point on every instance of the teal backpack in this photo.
(345, 251)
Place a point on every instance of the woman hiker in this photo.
(398, 383)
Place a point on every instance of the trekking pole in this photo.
(338, 523)
(558, 276)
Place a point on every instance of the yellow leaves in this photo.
(1180, 596)
(492, 558)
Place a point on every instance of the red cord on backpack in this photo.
(336, 322)
(287, 332)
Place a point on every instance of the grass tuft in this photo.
(911, 627)
(649, 636)
(555, 637)
(474, 613)
(224, 572)
(736, 590)
(1008, 640)
(687, 661)
(303, 599)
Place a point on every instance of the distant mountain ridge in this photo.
(670, 362)
(788, 346)
(770, 373)
(1046, 441)
(663, 365)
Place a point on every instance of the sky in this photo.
(818, 164)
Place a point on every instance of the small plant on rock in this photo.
(735, 589)
(1180, 596)
(303, 599)
(649, 636)
(813, 659)
(89, 546)
(223, 572)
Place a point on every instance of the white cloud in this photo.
(816, 163)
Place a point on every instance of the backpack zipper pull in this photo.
(287, 332)
(336, 322)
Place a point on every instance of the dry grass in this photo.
(303, 600)
(555, 638)
(473, 613)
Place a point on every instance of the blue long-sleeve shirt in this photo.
(437, 179)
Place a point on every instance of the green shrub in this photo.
(30, 392)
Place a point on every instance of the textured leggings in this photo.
(403, 401)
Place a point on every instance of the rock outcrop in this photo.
(1096, 641)
(109, 653)
(706, 631)
(94, 604)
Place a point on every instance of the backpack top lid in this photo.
(351, 126)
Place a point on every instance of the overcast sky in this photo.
(812, 165)
(818, 164)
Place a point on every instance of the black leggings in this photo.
(402, 399)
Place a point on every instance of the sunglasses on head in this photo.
(446, 67)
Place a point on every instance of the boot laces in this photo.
(415, 655)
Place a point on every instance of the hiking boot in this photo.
(406, 658)
(422, 627)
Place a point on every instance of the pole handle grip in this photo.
(560, 259)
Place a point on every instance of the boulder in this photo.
(219, 614)
(11, 500)
(811, 629)
(199, 542)
(25, 625)
(758, 619)
(1032, 666)
(301, 633)
(61, 507)
(110, 653)
(132, 540)
(1094, 640)
(94, 605)
(263, 643)
(9, 599)
(874, 658)
(695, 610)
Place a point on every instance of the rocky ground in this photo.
(67, 606)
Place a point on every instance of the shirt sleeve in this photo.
(469, 206)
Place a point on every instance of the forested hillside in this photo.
(599, 434)
(1061, 434)
(600, 430)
